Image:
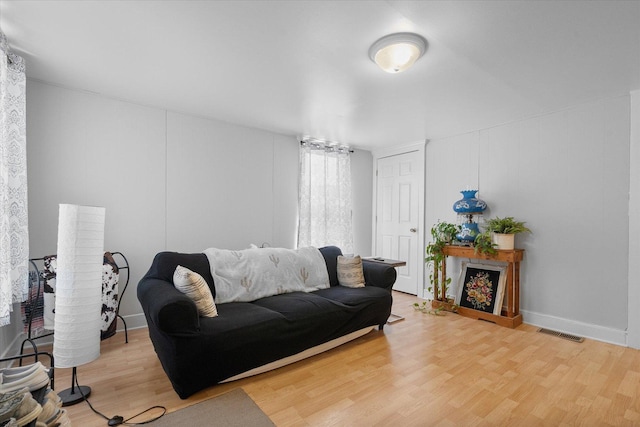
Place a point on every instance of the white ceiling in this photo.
(301, 67)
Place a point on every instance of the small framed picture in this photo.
(481, 287)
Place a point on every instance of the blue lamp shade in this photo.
(469, 204)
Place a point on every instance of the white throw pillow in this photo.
(350, 272)
(195, 287)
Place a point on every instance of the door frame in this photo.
(420, 147)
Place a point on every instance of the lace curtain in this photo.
(14, 235)
(324, 201)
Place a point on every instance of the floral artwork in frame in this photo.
(481, 287)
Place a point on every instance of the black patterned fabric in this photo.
(110, 277)
(49, 295)
(41, 306)
(33, 307)
(198, 352)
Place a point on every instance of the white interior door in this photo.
(399, 186)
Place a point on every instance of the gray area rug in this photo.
(231, 409)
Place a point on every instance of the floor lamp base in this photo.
(74, 395)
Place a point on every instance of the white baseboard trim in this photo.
(587, 330)
(134, 321)
(14, 347)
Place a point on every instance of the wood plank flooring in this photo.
(422, 371)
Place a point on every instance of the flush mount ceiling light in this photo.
(397, 52)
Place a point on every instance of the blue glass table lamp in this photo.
(469, 208)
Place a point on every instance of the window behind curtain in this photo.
(324, 201)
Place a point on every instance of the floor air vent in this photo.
(562, 335)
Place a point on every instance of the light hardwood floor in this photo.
(422, 371)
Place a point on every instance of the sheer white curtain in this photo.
(324, 201)
(14, 234)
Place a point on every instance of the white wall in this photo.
(229, 186)
(10, 337)
(85, 149)
(168, 181)
(634, 225)
(567, 175)
(221, 184)
(362, 195)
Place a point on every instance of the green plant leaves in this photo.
(483, 244)
(506, 225)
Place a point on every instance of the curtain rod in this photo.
(319, 143)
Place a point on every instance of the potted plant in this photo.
(442, 233)
(504, 230)
(483, 243)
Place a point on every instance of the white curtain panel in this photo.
(14, 232)
(324, 201)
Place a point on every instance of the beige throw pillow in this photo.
(195, 287)
(350, 272)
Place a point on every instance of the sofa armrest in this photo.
(379, 275)
(168, 309)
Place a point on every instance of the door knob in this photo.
(413, 230)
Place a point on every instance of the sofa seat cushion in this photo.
(246, 335)
(225, 345)
(240, 318)
(354, 297)
(317, 317)
(301, 306)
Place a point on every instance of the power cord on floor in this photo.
(117, 420)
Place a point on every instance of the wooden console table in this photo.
(387, 261)
(510, 317)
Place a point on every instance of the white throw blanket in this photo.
(251, 274)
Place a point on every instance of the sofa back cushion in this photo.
(330, 254)
(165, 263)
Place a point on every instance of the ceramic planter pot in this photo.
(504, 241)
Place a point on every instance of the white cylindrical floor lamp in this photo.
(78, 305)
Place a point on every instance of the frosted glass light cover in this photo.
(397, 57)
(397, 52)
(78, 305)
